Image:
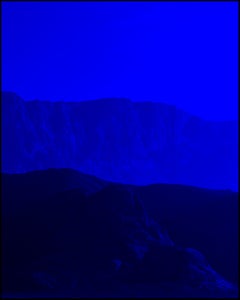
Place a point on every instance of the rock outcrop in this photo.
(66, 240)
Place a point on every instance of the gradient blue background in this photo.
(180, 53)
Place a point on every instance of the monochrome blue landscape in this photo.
(119, 159)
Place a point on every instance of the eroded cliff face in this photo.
(119, 140)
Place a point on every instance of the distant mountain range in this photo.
(119, 140)
(72, 234)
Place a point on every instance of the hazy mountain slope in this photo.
(63, 239)
(119, 140)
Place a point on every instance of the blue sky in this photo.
(182, 53)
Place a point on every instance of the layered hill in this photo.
(119, 140)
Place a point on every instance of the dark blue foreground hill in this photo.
(69, 233)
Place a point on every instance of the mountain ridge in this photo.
(122, 99)
(129, 142)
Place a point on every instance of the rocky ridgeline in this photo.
(119, 140)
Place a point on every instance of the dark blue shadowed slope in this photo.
(99, 238)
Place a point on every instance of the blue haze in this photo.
(184, 54)
(144, 96)
(181, 54)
